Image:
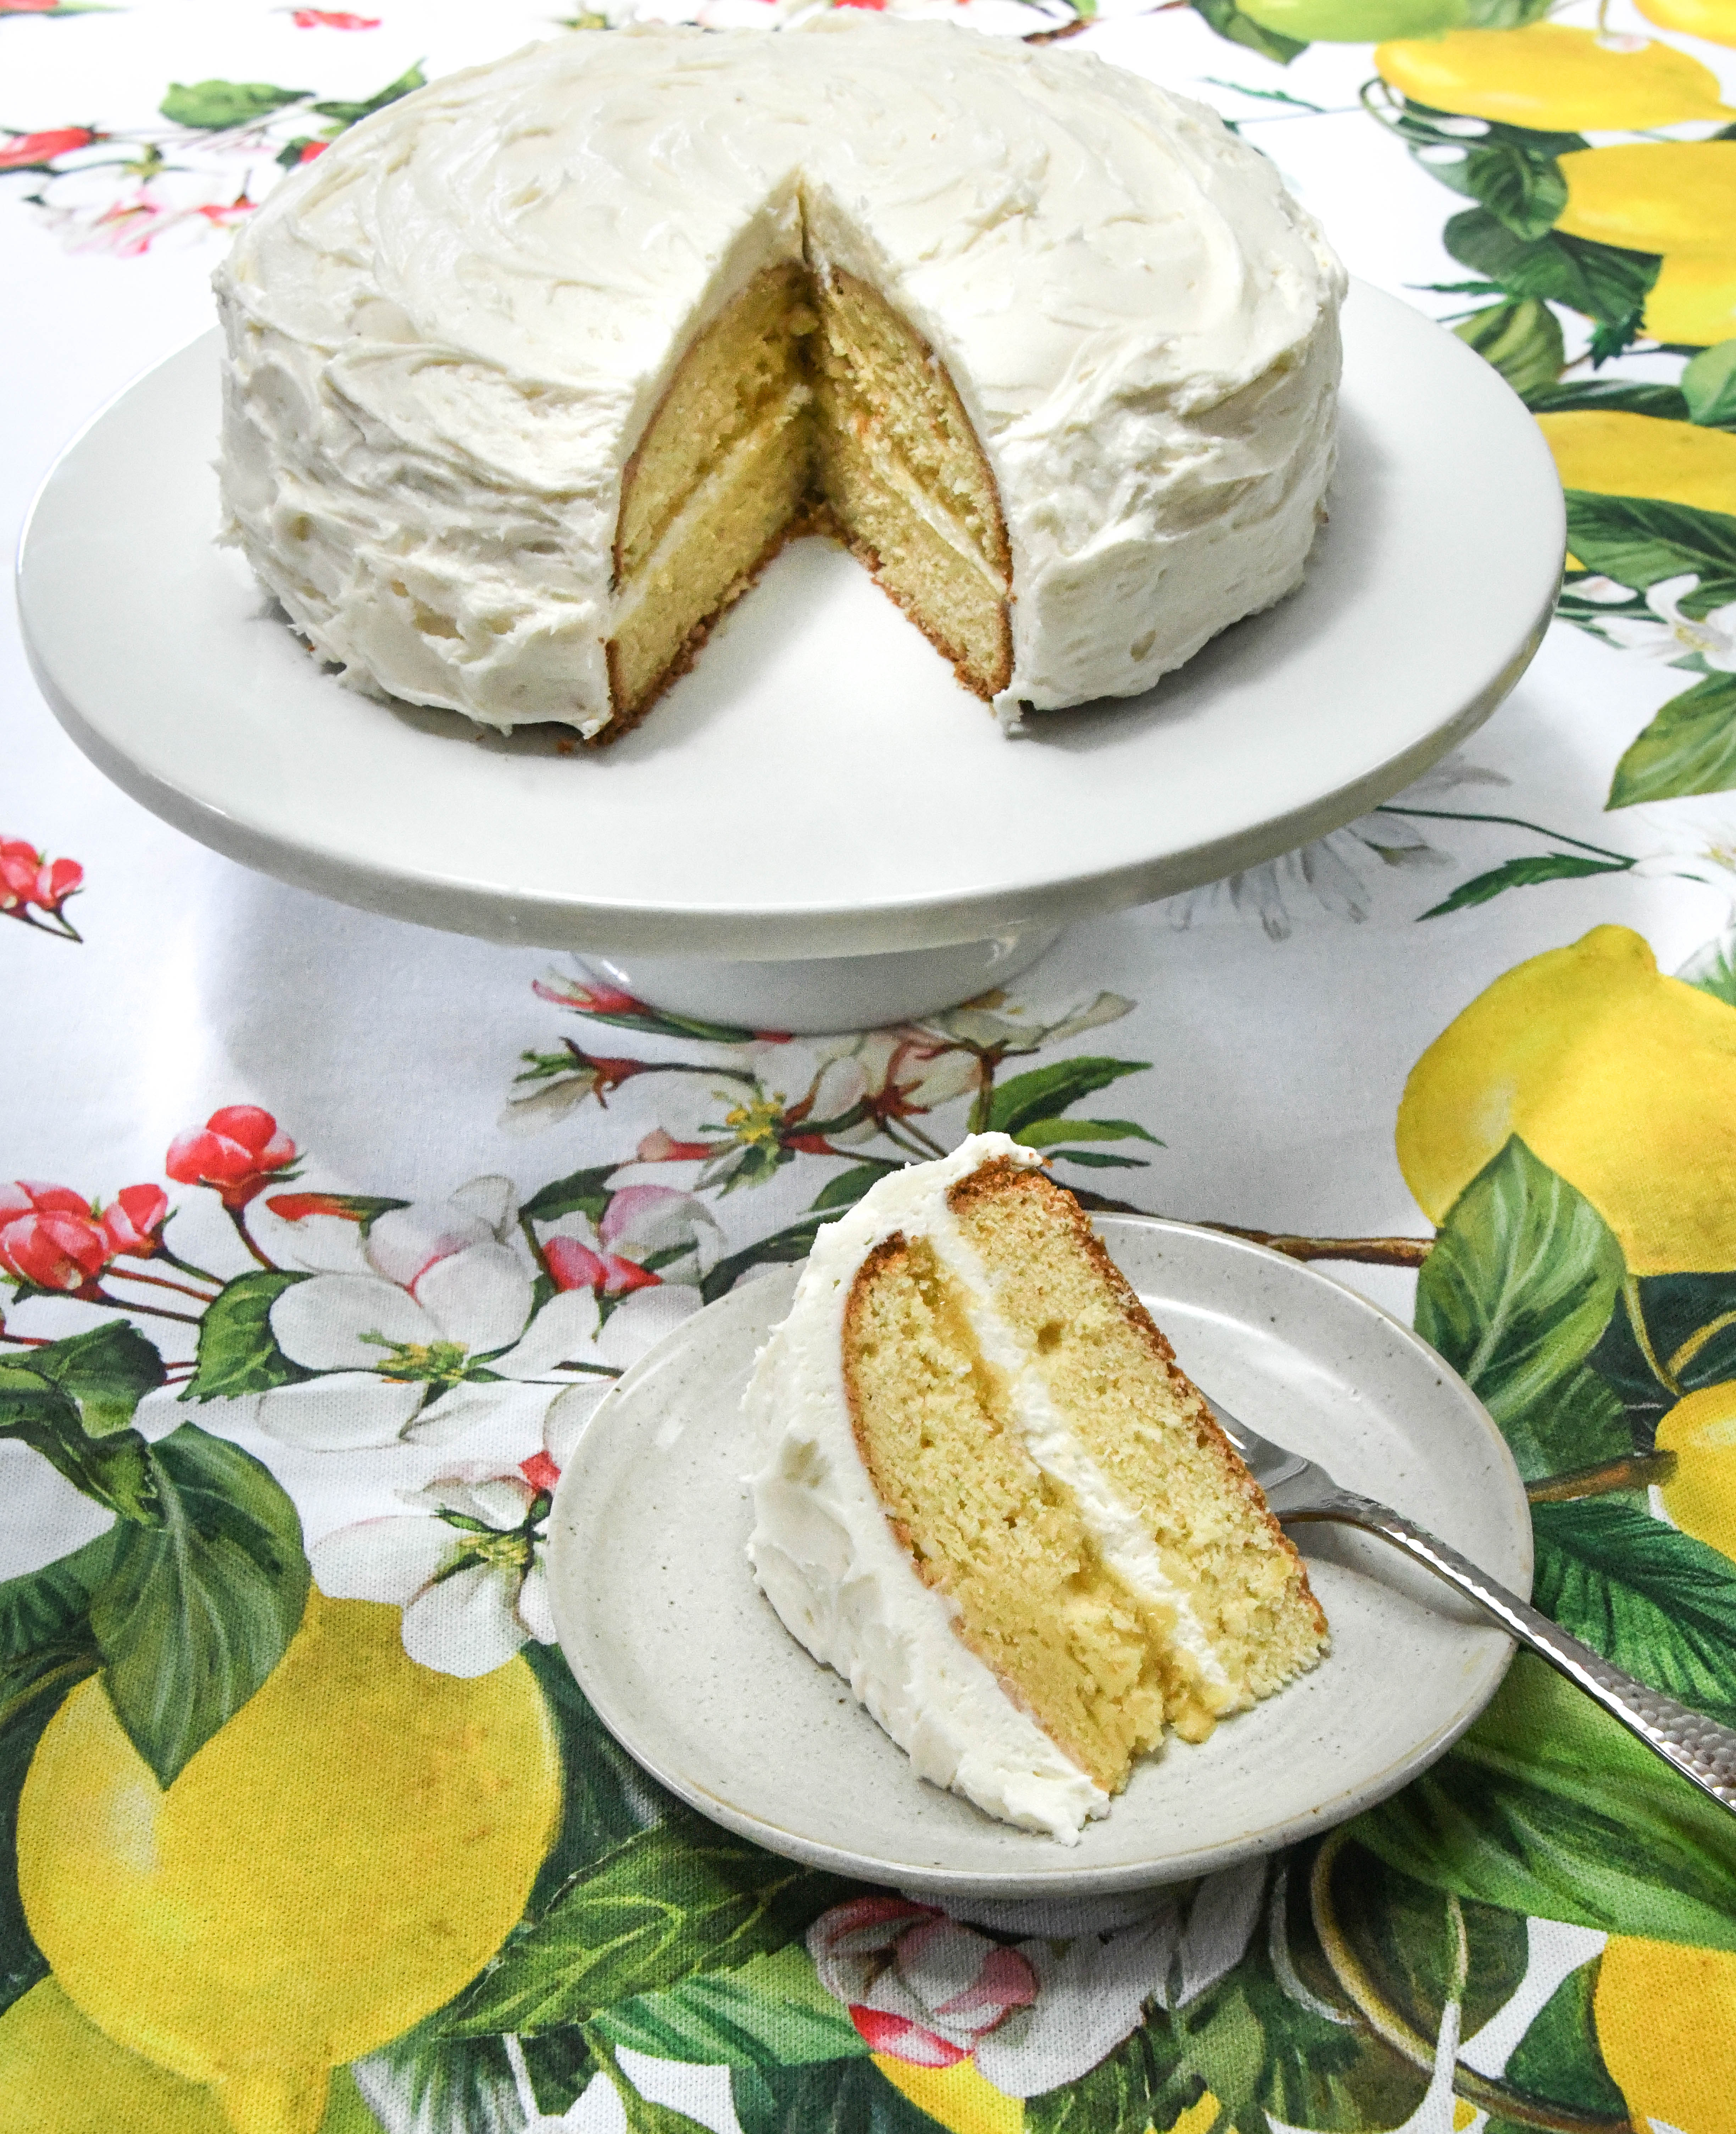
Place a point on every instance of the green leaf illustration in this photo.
(1690, 1321)
(1689, 747)
(1505, 14)
(1045, 1133)
(1122, 2092)
(215, 106)
(1631, 396)
(1658, 1603)
(1713, 968)
(1523, 874)
(108, 1371)
(671, 1902)
(1558, 2061)
(771, 2012)
(196, 1610)
(1638, 540)
(781, 1248)
(47, 1610)
(1522, 340)
(1549, 1806)
(605, 1797)
(581, 1193)
(456, 2085)
(1607, 286)
(1044, 1092)
(1228, 21)
(47, 1649)
(348, 115)
(1404, 1944)
(1522, 189)
(111, 1469)
(237, 1351)
(1515, 1294)
(1709, 384)
(848, 1187)
(825, 2097)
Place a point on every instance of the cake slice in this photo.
(998, 1508)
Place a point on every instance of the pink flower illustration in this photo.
(324, 18)
(237, 1152)
(31, 881)
(48, 1237)
(589, 999)
(31, 152)
(28, 7)
(918, 1985)
(575, 1265)
(131, 1223)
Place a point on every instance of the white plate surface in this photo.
(689, 1668)
(819, 785)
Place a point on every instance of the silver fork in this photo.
(1297, 1488)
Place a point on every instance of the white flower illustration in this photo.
(1667, 634)
(1331, 875)
(469, 1579)
(421, 1329)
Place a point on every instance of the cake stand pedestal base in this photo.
(821, 995)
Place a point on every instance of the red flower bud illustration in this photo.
(131, 1223)
(918, 1985)
(237, 1152)
(30, 151)
(47, 1237)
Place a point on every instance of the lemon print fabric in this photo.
(1356, 22)
(336, 1862)
(1714, 20)
(1620, 1080)
(1701, 1494)
(1666, 2018)
(1553, 78)
(1677, 197)
(1616, 453)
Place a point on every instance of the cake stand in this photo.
(817, 829)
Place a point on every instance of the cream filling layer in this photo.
(1115, 1526)
(702, 499)
(843, 1584)
(895, 474)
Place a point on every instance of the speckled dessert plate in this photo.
(689, 1669)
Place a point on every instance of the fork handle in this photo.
(1699, 1747)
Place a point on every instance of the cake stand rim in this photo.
(744, 931)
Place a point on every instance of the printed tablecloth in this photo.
(328, 1232)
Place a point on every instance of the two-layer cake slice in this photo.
(996, 1506)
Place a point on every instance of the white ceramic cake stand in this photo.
(817, 829)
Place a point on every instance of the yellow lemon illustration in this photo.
(1700, 1496)
(58, 2075)
(1552, 79)
(1654, 196)
(339, 1860)
(961, 2099)
(1666, 2018)
(1619, 1079)
(1714, 20)
(1619, 454)
(1356, 22)
(1693, 300)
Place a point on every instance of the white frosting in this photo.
(447, 334)
(842, 1582)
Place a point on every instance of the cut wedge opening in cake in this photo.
(1040, 1491)
(807, 406)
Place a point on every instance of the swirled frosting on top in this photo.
(448, 333)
